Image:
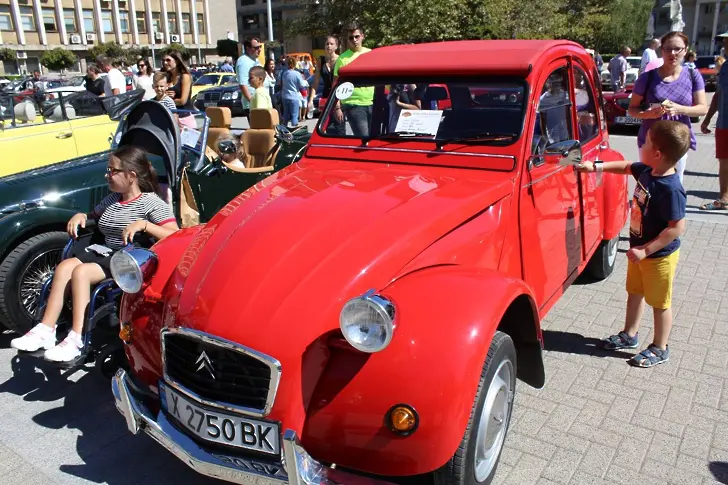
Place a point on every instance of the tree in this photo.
(626, 25)
(227, 48)
(58, 59)
(7, 54)
(176, 47)
(112, 50)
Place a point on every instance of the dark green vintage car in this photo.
(36, 205)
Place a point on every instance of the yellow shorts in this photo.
(652, 278)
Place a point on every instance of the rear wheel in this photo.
(476, 458)
(602, 263)
(22, 275)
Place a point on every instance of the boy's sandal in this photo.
(650, 357)
(716, 205)
(620, 341)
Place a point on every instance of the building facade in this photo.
(253, 22)
(30, 27)
(703, 20)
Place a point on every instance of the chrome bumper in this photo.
(296, 467)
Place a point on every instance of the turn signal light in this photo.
(125, 332)
(402, 419)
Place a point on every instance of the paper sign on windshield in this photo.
(426, 122)
(344, 91)
(189, 137)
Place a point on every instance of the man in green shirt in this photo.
(358, 106)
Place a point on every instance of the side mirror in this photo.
(563, 153)
(283, 134)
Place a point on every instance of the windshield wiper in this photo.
(395, 136)
(487, 136)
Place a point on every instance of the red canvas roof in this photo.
(507, 57)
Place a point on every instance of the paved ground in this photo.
(597, 421)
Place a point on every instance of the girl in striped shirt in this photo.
(132, 207)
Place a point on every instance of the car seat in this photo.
(258, 143)
(25, 111)
(220, 121)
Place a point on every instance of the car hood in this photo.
(280, 260)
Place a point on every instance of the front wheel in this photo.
(476, 458)
(602, 263)
(22, 275)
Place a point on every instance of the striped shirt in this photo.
(167, 102)
(114, 215)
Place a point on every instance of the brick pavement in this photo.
(597, 421)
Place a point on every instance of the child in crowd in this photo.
(657, 221)
(160, 82)
(261, 98)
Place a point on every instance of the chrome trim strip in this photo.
(273, 364)
(414, 150)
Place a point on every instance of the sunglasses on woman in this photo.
(111, 171)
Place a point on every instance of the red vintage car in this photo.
(615, 109)
(363, 314)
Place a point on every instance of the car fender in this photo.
(23, 224)
(146, 309)
(615, 205)
(445, 319)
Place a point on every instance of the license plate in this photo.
(209, 103)
(627, 120)
(220, 427)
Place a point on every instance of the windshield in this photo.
(704, 62)
(436, 110)
(634, 62)
(207, 80)
(76, 81)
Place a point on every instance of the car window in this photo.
(207, 80)
(227, 79)
(431, 109)
(554, 113)
(78, 104)
(703, 62)
(600, 102)
(586, 112)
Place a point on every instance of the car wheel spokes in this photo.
(494, 421)
(32, 279)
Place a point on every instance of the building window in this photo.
(186, 23)
(88, 21)
(250, 22)
(157, 22)
(6, 20)
(172, 22)
(49, 20)
(244, 3)
(27, 19)
(709, 8)
(124, 21)
(69, 20)
(107, 22)
(200, 24)
(141, 23)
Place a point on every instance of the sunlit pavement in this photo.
(597, 420)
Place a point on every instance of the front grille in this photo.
(219, 372)
(212, 97)
(623, 103)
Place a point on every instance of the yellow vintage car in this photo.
(211, 80)
(35, 131)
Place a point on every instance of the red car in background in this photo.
(615, 109)
(706, 68)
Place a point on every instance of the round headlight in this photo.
(131, 267)
(367, 322)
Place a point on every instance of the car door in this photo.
(30, 140)
(593, 139)
(550, 207)
(92, 127)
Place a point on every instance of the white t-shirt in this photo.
(115, 80)
(648, 56)
(145, 83)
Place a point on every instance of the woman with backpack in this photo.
(669, 92)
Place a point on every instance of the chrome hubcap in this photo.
(612, 251)
(494, 421)
(31, 280)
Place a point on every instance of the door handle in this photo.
(63, 136)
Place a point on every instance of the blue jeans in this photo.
(359, 118)
(290, 111)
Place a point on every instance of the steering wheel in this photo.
(283, 133)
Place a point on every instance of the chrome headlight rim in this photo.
(385, 310)
(142, 262)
